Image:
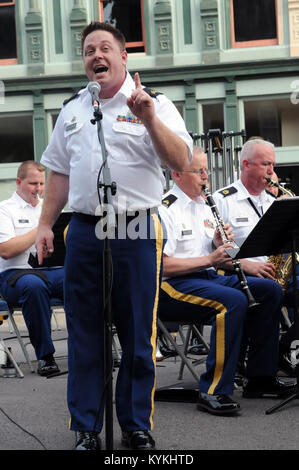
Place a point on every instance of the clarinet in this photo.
(236, 263)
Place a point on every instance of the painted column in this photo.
(164, 35)
(34, 39)
(39, 125)
(191, 117)
(210, 31)
(231, 116)
(78, 20)
(294, 27)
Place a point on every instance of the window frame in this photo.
(12, 60)
(129, 44)
(254, 43)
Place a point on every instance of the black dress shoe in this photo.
(267, 387)
(217, 404)
(47, 366)
(87, 440)
(285, 364)
(139, 440)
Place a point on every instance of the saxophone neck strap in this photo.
(255, 208)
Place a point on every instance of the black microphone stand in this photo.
(109, 191)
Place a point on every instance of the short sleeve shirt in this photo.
(189, 225)
(135, 167)
(17, 217)
(235, 208)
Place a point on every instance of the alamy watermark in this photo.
(134, 224)
(2, 92)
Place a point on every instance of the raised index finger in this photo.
(137, 80)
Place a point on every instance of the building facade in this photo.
(226, 64)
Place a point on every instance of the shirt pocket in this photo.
(185, 238)
(241, 221)
(127, 142)
(22, 223)
(129, 129)
(73, 137)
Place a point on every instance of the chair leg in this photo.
(178, 350)
(286, 317)
(5, 348)
(58, 327)
(186, 343)
(21, 343)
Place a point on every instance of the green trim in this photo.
(161, 75)
(57, 27)
(147, 18)
(187, 22)
(39, 126)
(231, 114)
(191, 117)
(20, 51)
(228, 25)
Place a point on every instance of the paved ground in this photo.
(34, 414)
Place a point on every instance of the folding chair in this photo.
(182, 349)
(8, 313)
(4, 315)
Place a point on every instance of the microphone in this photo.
(94, 89)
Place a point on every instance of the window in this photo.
(8, 43)
(254, 23)
(16, 137)
(127, 16)
(275, 120)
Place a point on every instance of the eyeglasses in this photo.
(198, 172)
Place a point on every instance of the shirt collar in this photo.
(184, 199)
(20, 201)
(244, 194)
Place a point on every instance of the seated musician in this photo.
(191, 289)
(243, 203)
(19, 282)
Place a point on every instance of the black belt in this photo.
(21, 272)
(129, 215)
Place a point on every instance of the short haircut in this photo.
(27, 165)
(97, 25)
(248, 150)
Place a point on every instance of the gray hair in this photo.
(248, 150)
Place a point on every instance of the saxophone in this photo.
(282, 262)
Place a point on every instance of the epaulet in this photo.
(73, 97)
(228, 191)
(170, 199)
(151, 92)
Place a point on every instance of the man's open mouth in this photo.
(101, 69)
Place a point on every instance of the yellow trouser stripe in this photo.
(220, 325)
(159, 246)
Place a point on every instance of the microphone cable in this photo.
(23, 429)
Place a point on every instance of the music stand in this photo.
(276, 232)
